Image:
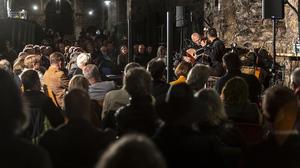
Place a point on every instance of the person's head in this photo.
(212, 111)
(179, 101)
(31, 81)
(135, 48)
(161, 52)
(29, 50)
(5, 65)
(183, 69)
(295, 78)
(280, 107)
(130, 66)
(89, 47)
(212, 34)
(231, 61)
(156, 69)
(196, 38)
(124, 50)
(57, 59)
(110, 46)
(103, 50)
(61, 47)
(79, 82)
(141, 49)
(92, 74)
(149, 49)
(138, 83)
(132, 151)
(235, 91)
(77, 105)
(12, 116)
(32, 62)
(83, 59)
(198, 77)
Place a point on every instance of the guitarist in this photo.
(216, 51)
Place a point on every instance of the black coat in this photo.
(137, 117)
(40, 107)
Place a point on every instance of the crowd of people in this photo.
(83, 105)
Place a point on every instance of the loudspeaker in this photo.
(272, 9)
(180, 16)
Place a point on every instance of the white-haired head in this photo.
(83, 59)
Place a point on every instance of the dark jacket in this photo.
(159, 91)
(75, 145)
(16, 153)
(216, 53)
(40, 107)
(183, 147)
(137, 117)
(243, 113)
(253, 84)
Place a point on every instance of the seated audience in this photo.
(5, 65)
(80, 82)
(180, 144)
(281, 148)
(139, 115)
(134, 151)
(55, 79)
(78, 143)
(122, 59)
(157, 69)
(232, 64)
(82, 60)
(198, 77)
(115, 99)
(213, 121)
(41, 107)
(237, 105)
(181, 72)
(98, 88)
(16, 152)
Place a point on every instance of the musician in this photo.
(216, 51)
(200, 48)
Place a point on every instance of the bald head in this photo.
(196, 38)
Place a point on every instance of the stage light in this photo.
(107, 2)
(35, 7)
(91, 12)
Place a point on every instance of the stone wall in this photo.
(240, 21)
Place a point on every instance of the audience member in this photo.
(16, 152)
(237, 105)
(157, 69)
(41, 107)
(281, 147)
(295, 81)
(78, 143)
(139, 115)
(213, 121)
(180, 144)
(198, 77)
(181, 72)
(117, 98)
(232, 64)
(82, 60)
(55, 79)
(122, 57)
(98, 88)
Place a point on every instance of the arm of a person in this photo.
(64, 81)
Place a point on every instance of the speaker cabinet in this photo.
(180, 16)
(272, 9)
